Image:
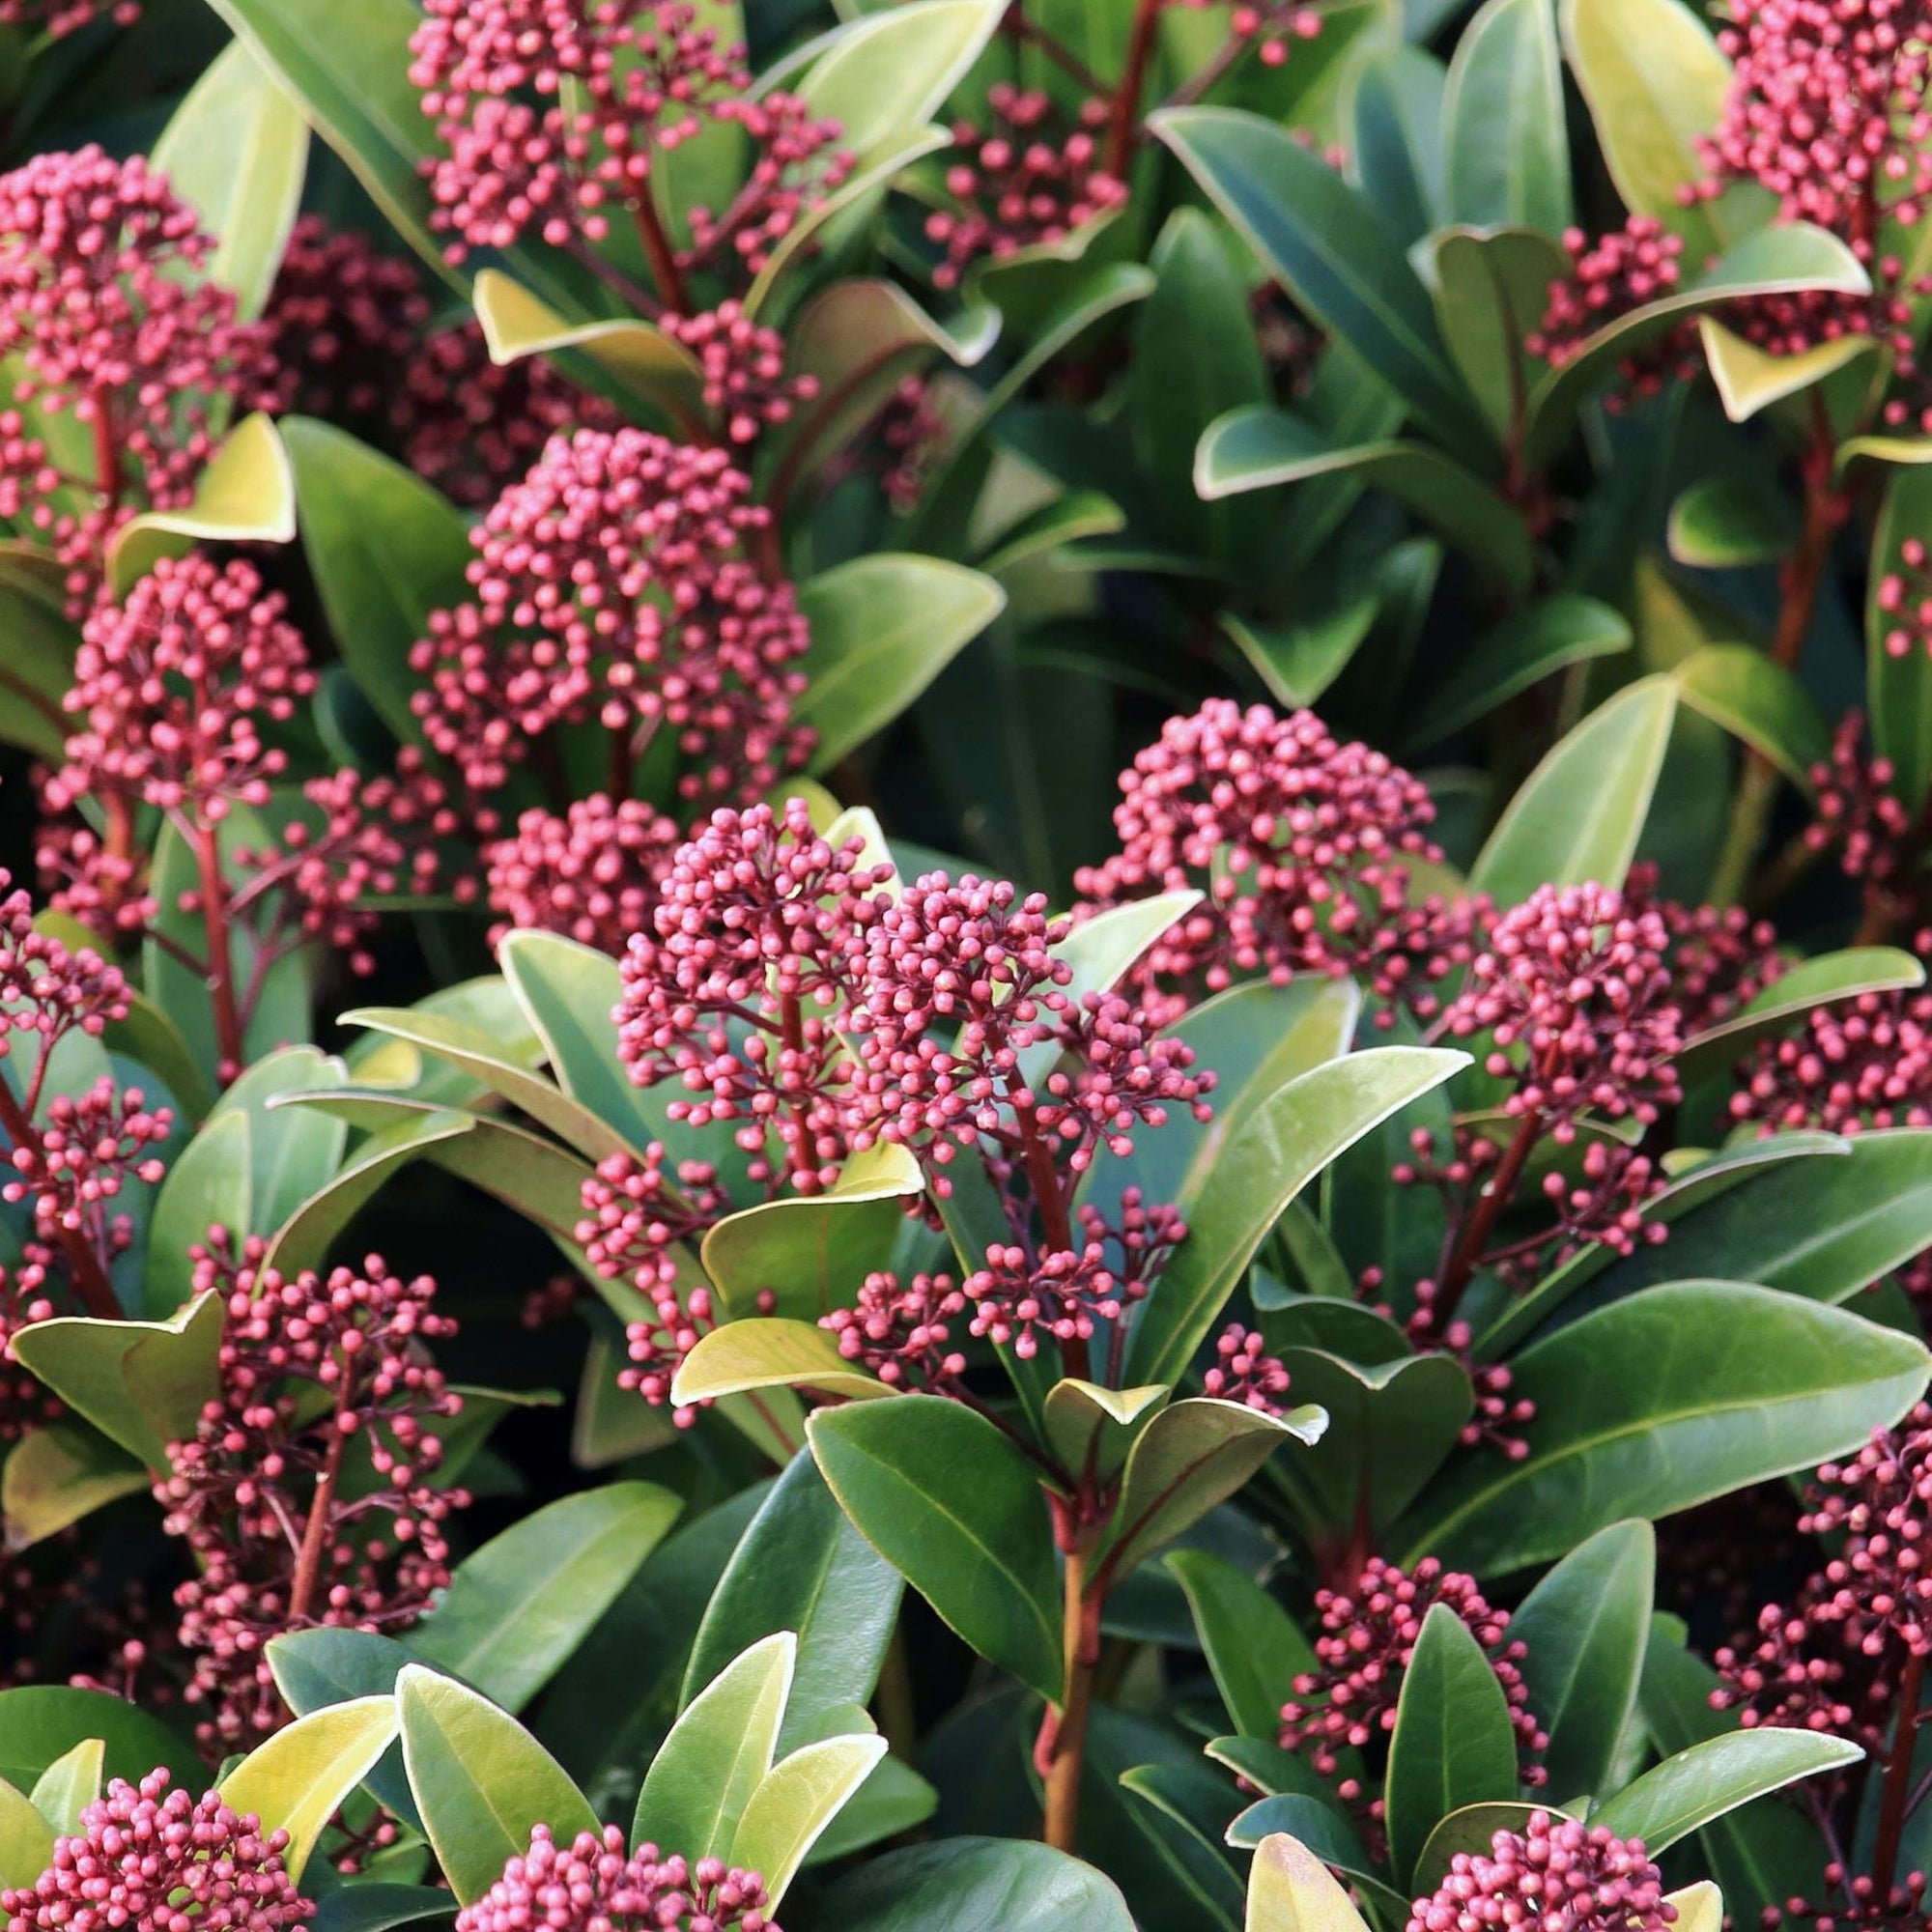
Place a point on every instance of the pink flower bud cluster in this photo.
(637, 1218)
(743, 366)
(58, 19)
(1721, 958)
(911, 431)
(553, 115)
(1826, 1662)
(742, 985)
(1059, 1295)
(28, 1295)
(1857, 809)
(1555, 1875)
(1904, 597)
(1366, 1638)
(1245, 1371)
(1304, 845)
(103, 300)
(1017, 185)
(902, 1332)
(593, 1885)
(612, 585)
(174, 686)
(1611, 276)
(1574, 991)
(1856, 1064)
(314, 1371)
(146, 1856)
(591, 873)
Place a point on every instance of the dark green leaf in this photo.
(1509, 155)
(1253, 1647)
(974, 1885)
(1521, 651)
(1675, 1798)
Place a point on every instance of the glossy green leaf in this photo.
(1452, 1745)
(1509, 155)
(385, 551)
(1192, 1456)
(236, 150)
(1739, 1383)
(297, 1781)
(1675, 1798)
(26, 1840)
(55, 1476)
(759, 1352)
(802, 1567)
(1254, 1648)
(893, 1802)
(1757, 700)
(718, 1753)
(1298, 662)
(1263, 447)
(1290, 1890)
(882, 629)
(1748, 378)
(37, 648)
(247, 494)
(1091, 1429)
(141, 1383)
(1584, 1628)
(976, 1884)
(1521, 651)
(1728, 523)
(41, 1723)
(516, 1609)
(956, 1509)
(70, 1785)
(1279, 1147)
(1579, 815)
(1821, 982)
(1655, 83)
(1397, 146)
(319, 1669)
(1327, 245)
(795, 1803)
(1472, 1829)
(1491, 286)
(480, 1782)
(1899, 683)
(208, 1187)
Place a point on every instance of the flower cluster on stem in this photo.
(594, 1885)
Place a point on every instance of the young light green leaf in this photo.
(516, 1609)
(1290, 1890)
(759, 1352)
(209, 1186)
(480, 1782)
(247, 494)
(718, 1753)
(295, 1782)
(57, 1475)
(953, 1505)
(1093, 1427)
(1748, 379)
(26, 1840)
(794, 1803)
(70, 1785)
(1755, 698)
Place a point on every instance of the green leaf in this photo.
(1290, 1890)
(1390, 1429)
(55, 1476)
(1579, 814)
(373, 1906)
(1728, 523)
(809, 1253)
(69, 1786)
(1754, 698)
(1192, 1456)
(1739, 1383)
(41, 1723)
(235, 152)
(796, 1801)
(26, 1840)
(295, 1782)
(1750, 380)
(1091, 1428)
(1259, 449)
(1509, 155)
(976, 1884)
(1685, 1792)
(758, 1352)
(1472, 1829)
(247, 494)
(385, 551)
(1298, 662)
(640, 358)
(882, 629)
(207, 1188)
(1492, 287)
(1655, 83)
(1279, 1147)
(37, 648)
(1521, 651)
(480, 1782)
(802, 1567)
(1197, 300)
(1452, 1745)
(1584, 1630)
(1822, 982)
(292, 1149)
(518, 1607)
(718, 1753)
(1254, 1648)
(893, 1801)
(1899, 684)
(141, 1383)
(953, 1506)
(1327, 244)
(1397, 149)
(319, 1669)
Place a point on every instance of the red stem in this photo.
(1061, 1748)
(228, 1028)
(1897, 1788)
(1124, 111)
(314, 1531)
(106, 462)
(663, 257)
(1477, 1229)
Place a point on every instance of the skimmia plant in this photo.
(963, 963)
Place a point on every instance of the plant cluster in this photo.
(963, 963)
